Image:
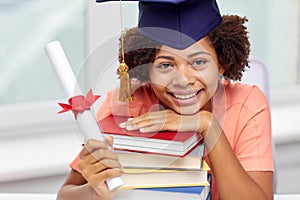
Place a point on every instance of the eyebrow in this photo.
(197, 53)
(189, 56)
(165, 57)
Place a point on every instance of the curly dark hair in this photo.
(139, 53)
(229, 38)
(231, 42)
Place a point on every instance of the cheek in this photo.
(158, 90)
(212, 87)
(210, 79)
(157, 82)
(158, 79)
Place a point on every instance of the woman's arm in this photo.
(233, 182)
(76, 187)
(97, 164)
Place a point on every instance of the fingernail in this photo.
(129, 119)
(122, 125)
(142, 130)
(129, 128)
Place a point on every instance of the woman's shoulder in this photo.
(143, 100)
(241, 93)
(141, 92)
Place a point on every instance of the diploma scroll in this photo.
(86, 121)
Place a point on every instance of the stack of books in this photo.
(160, 161)
(164, 173)
(164, 142)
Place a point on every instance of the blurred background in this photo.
(36, 144)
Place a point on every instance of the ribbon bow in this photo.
(78, 104)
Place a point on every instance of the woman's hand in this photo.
(169, 120)
(97, 164)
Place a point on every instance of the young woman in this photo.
(189, 90)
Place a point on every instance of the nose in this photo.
(183, 77)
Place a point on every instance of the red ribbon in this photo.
(78, 104)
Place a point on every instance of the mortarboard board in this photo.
(176, 23)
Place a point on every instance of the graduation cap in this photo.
(175, 23)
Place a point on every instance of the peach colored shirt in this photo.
(242, 111)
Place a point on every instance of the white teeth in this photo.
(187, 96)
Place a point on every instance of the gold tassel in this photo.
(125, 93)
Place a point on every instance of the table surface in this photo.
(130, 194)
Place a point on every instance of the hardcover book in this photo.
(164, 142)
(163, 178)
(135, 160)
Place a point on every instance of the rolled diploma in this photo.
(86, 121)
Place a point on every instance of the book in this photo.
(144, 170)
(163, 142)
(149, 178)
(133, 160)
(201, 192)
(165, 177)
(137, 194)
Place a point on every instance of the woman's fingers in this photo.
(98, 182)
(98, 173)
(96, 151)
(153, 122)
(97, 164)
(166, 120)
(96, 157)
(92, 165)
(92, 145)
(109, 140)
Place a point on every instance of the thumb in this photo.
(109, 140)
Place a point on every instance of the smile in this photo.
(185, 96)
(182, 97)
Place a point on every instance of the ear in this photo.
(221, 70)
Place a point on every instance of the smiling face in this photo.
(185, 80)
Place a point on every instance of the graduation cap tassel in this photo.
(125, 83)
(125, 93)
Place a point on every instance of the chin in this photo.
(189, 110)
